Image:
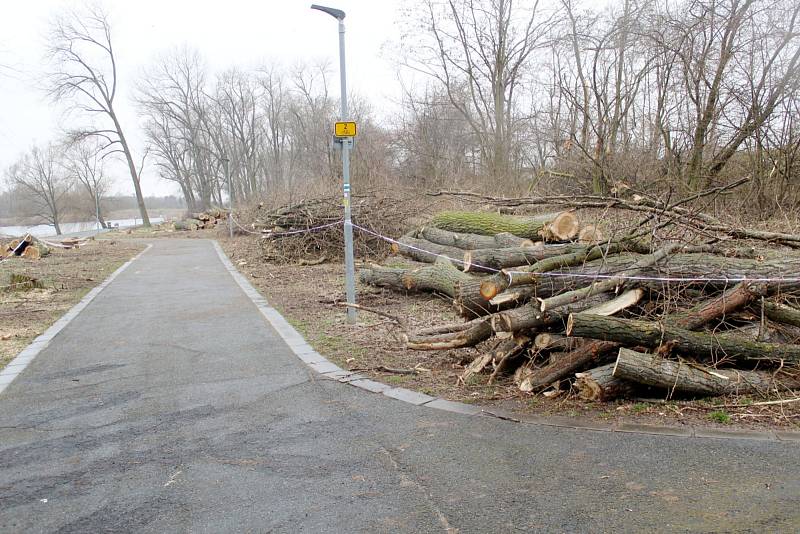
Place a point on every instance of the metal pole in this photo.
(97, 209)
(350, 274)
(230, 196)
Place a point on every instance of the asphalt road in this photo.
(169, 405)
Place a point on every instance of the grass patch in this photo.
(396, 379)
(720, 416)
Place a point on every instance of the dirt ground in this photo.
(67, 275)
(310, 297)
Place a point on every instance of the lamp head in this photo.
(338, 14)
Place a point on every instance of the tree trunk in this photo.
(559, 226)
(729, 301)
(471, 241)
(608, 284)
(494, 259)
(137, 188)
(600, 384)
(425, 251)
(530, 317)
(701, 344)
(781, 313)
(441, 277)
(580, 358)
(694, 379)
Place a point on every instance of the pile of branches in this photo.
(623, 317)
(310, 231)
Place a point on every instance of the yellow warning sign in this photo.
(344, 129)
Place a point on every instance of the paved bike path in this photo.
(170, 405)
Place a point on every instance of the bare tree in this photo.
(478, 51)
(84, 162)
(39, 173)
(85, 73)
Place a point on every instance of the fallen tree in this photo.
(560, 226)
(687, 377)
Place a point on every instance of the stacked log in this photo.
(612, 317)
(205, 220)
(26, 247)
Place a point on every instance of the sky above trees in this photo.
(234, 33)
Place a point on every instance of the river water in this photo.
(46, 230)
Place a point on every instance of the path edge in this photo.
(306, 353)
(21, 361)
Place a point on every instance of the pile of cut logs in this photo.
(202, 221)
(26, 247)
(558, 307)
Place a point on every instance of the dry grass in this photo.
(67, 275)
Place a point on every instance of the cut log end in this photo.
(489, 289)
(590, 234)
(563, 228)
(570, 324)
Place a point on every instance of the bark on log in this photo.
(701, 344)
(580, 358)
(560, 226)
(529, 316)
(468, 334)
(380, 276)
(689, 378)
(471, 241)
(600, 384)
(441, 277)
(468, 301)
(493, 259)
(702, 270)
(425, 251)
(608, 284)
(733, 299)
(781, 313)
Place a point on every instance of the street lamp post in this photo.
(350, 285)
(225, 162)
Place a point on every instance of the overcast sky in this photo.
(226, 32)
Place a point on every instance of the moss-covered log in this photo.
(442, 278)
(502, 258)
(699, 344)
(559, 226)
(471, 241)
(694, 379)
(781, 313)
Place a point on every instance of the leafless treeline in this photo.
(502, 94)
(669, 93)
(273, 125)
(654, 94)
